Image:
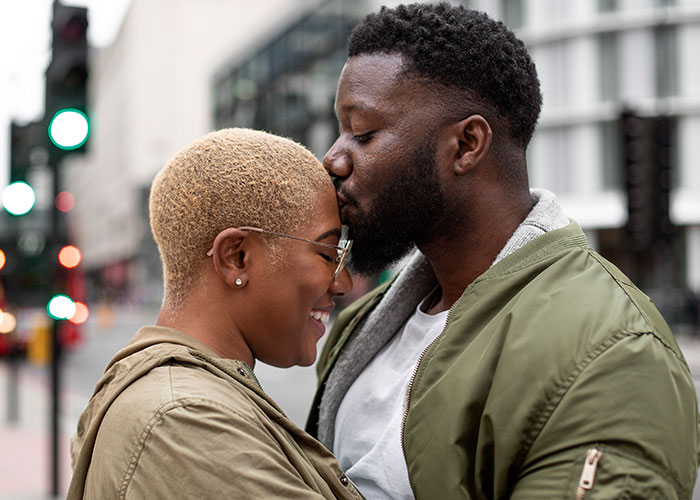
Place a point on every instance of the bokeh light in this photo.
(3, 259)
(64, 201)
(81, 314)
(8, 322)
(18, 198)
(69, 256)
(69, 128)
(61, 307)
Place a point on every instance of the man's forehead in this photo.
(367, 81)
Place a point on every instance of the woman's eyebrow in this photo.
(333, 232)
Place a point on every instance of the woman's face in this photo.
(293, 298)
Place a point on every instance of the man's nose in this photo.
(337, 161)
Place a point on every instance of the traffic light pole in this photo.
(55, 367)
(66, 90)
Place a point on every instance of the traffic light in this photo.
(662, 162)
(646, 146)
(27, 148)
(60, 306)
(18, 198)
(69, 129)
(66, 81)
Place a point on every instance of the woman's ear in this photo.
(230, 257)
(473, 137)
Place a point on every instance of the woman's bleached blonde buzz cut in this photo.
(229, 178)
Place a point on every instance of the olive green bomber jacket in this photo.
(170, 419)
(555, 377)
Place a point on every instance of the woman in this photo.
(248, 231)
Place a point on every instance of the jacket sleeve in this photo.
(203, 450)
(626, 428)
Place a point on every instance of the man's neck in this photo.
(462, 256)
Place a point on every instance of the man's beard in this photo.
(400, 217)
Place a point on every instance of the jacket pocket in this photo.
(608, 472)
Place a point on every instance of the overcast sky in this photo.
(25, 50)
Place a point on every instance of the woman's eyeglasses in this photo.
(343, 247)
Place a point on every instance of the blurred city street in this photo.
(25, 451)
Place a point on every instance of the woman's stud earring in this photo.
(238, 282)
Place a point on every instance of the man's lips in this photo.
(342, 199)
(345, 202)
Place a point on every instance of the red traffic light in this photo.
(74, 28)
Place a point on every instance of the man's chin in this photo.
(375, 262)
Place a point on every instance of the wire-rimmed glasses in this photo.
(343, 247)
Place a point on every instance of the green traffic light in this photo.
(61, 307)
(69, 128)
(18, 198)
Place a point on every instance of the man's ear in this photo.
(231, 257)
(472, 136)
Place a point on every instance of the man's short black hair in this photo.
(459, 48)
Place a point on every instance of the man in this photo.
(507, 359)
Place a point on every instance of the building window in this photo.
(513, 13)
(609, 85)
(607, 5)
(610, 155)
(666, 61)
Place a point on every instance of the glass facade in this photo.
(288, 86)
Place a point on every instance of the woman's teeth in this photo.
(323, 316)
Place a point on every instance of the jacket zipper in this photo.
(588, 474)
(408, 393)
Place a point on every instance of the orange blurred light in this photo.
(7, 322)
(2, 259)
(64, 201)
(81, 314)
(69, 256)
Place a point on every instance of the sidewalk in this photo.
(25, 449)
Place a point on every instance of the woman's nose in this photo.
(341, 285)
(337, 162)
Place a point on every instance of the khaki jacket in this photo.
(555, 377)
(169, 419)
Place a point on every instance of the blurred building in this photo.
(597, 59)
(180, 68)
(150, 95)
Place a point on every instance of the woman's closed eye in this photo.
(328, 257)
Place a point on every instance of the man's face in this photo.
(384, 162)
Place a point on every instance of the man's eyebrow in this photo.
(332, 232)
(347, 108)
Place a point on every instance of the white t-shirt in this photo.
(368, 424)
